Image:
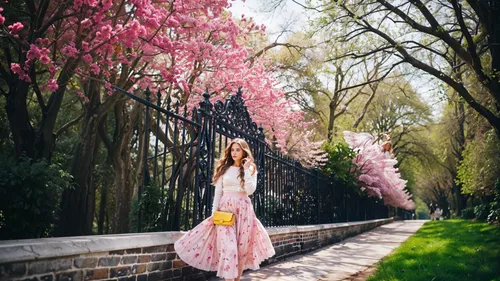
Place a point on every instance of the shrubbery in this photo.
(339, 165)
(486, 211)
(29, 197)
(151, 206)
(468, 213)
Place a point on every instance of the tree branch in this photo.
(66, 126)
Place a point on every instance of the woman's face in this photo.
(236, 152)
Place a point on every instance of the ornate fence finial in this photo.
(261, 132)
(240, 92)
(205, 104)
(169, 101)
(158, 98)
(148, 94)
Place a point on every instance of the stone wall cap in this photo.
(36, 249)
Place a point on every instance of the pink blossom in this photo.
(44, 52)
(16, 68)
(94, 68)
(77, 4)
(87, 58)
(70, 51)
(86, 23)
(85, 46)
(15, 28)
(106, 32)
(2, 19)
(52, 85)
(33, 53)
(52, 70)
(91, 3)
(45, 60)
(106, 4)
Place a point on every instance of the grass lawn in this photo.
(445, 250)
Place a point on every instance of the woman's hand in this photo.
(247, 162)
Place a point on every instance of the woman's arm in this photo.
(217, 195)
(250, 180)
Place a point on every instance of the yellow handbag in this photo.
(223, 218)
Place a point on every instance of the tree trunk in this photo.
(460, 139)
(331, 119)
(122, 164)
(23, 133)
(123, 191)
(35, 143)
(494, 46)
(77, 204)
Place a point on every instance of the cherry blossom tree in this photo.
(86, 46)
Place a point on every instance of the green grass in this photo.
(445, 250)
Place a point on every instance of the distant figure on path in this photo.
(432, 211)
(438, 212)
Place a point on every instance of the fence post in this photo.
(145, 179)
(318, 204)
(202, 176)
(261, 166)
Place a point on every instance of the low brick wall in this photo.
(144, 256)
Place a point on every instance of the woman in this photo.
(437, 213)
(229, 249)
(386, 147)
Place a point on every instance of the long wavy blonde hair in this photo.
(227, 161)
(387, 144)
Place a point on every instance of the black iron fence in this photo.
(179, 158)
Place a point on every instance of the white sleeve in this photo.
(250, 180)
(217, 195)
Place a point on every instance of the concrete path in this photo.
(341, 260)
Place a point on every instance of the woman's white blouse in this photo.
(230, 182)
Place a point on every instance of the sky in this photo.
(272, 20)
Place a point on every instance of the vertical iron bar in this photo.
(191, 142)
(155, 164)
(164, 165)
(202, 121)
(172, 208)
(319, 197)
(145, 161)
(180, 188)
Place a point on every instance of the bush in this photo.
(339, 165)
(481, 211)
(29, 197)
(468, 213)
(480, 167)
(453, 216)
(151, 207)
(494, 215)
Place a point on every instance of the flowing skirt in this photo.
(221, 248)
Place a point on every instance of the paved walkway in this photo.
(341, 260)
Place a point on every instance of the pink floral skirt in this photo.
(222, 248)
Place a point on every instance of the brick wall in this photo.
(143, 256)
